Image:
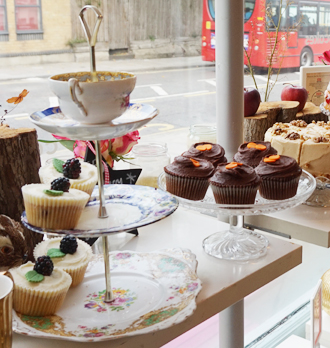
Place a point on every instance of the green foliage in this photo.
(73, 42)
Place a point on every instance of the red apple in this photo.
(251, 101)
(295, 93)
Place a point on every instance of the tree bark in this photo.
(310, 113)
(19, 165)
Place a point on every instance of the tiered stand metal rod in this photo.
(108, 296)
(91, 39)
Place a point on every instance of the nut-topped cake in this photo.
(308, 144)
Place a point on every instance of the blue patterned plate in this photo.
(128, 207)
(54, 121)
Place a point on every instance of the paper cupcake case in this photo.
(189, 188)
(278, 189)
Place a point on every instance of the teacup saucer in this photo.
(54, 121)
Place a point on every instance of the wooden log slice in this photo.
(256, 126)
(19, 163)
(310, 113)
(288, 110)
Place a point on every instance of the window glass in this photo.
(274, 10)
(2, 19)
(28, 15)
(324, 20)
(308, 15)
(248, 9)
(212, 8)
(3, 24)
(27, 2)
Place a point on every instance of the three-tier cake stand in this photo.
(93, 224)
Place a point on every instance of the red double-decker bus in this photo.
(297, 45)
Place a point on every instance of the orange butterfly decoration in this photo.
(19, 99)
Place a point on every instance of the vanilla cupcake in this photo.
(53, 209)
(39, 289)
(82, 175)
(69, 254)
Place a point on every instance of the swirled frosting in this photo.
(241, 175)
(284, 167)
(184, 167)
(82, 255)
(252, 156)
(88, 175)
(215, 155)
(58, 279)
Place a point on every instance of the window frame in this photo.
(29, 31)
(5, 31)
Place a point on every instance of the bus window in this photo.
(273, 14)
(293, 16)
(248, 9)
(309, 20)
(212, 8)
(324, 20)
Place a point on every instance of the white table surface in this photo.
(224, 282)
(306, 223)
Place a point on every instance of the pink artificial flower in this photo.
(79, 148)
(108, 158)
(123, 145)
(60, 138)
(325, 58)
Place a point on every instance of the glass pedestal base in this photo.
(240, 246)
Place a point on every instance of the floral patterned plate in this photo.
(152, 291)
(54, 121)
(128, 207)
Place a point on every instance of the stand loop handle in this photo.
(91, 38)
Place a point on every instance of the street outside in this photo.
(183, 95)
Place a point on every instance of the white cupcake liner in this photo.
(87, 187)
(38, 303)
(189, 188)
(53, 214)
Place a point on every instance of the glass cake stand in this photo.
(238, 243)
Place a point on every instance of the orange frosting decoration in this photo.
(256, 146)
(272, 159)
(195, 163)
(261, 147)
(233, 165)
(251, 145)
(204, 147)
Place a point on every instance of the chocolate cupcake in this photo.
(188, 177)
(252, 153)
(279, 177)
(207, 151)
(234, 183)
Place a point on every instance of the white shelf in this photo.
(325, 336)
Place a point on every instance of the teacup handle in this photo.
(73, 85)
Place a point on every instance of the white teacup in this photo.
(93, 102)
